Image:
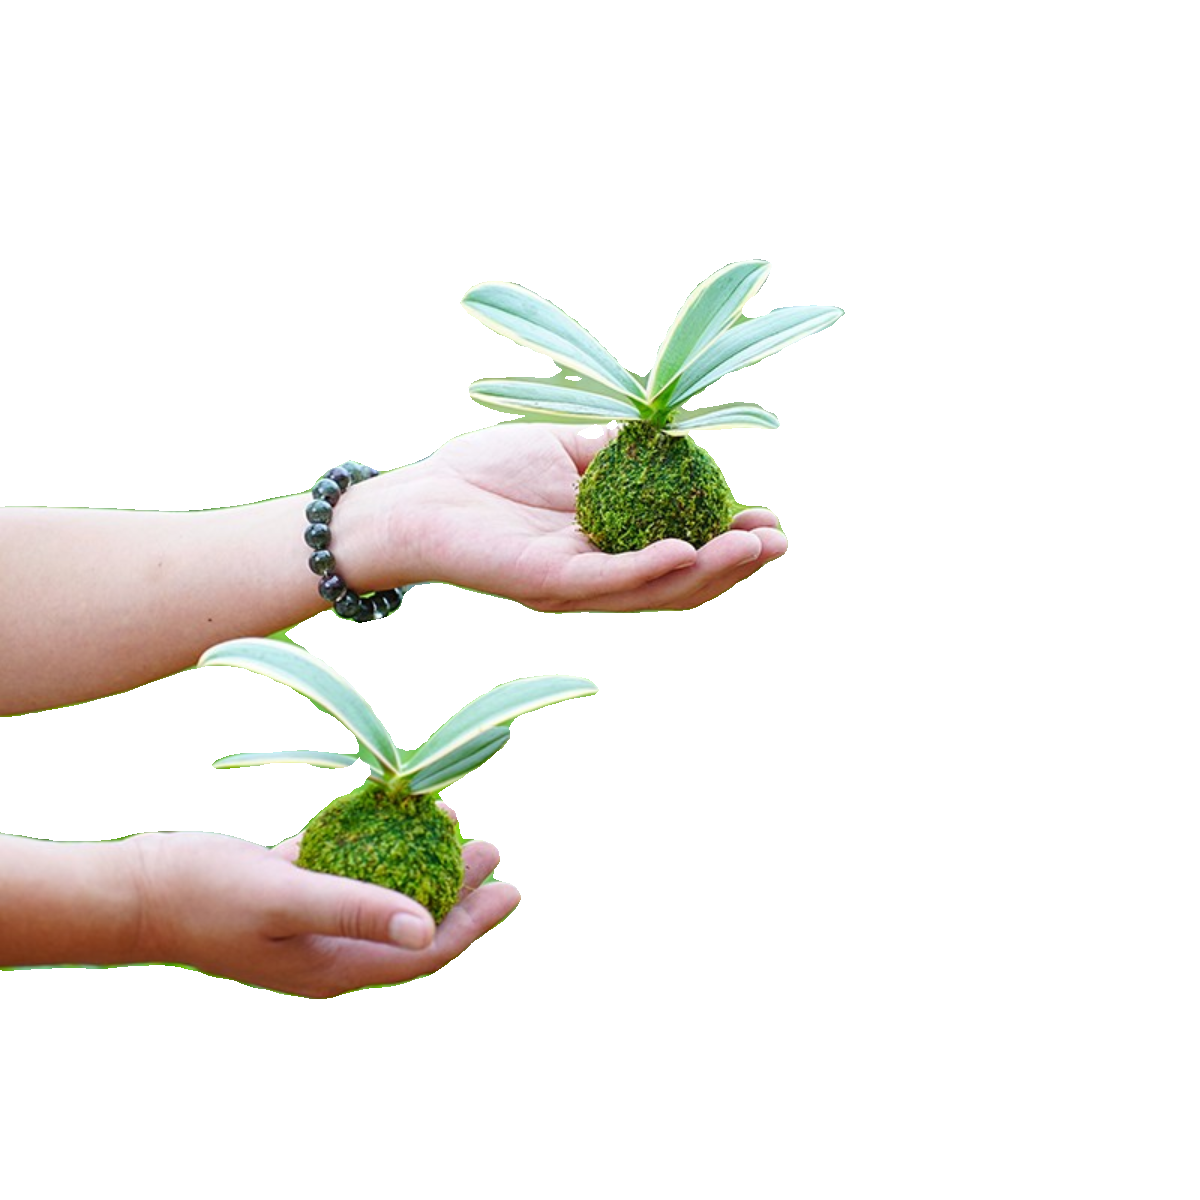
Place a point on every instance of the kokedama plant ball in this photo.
(405, 843)
(645, 486)
(652, 481)
(390, 830)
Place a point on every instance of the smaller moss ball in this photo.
(646, 485)
(405, 843)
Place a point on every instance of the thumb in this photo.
(349, 908)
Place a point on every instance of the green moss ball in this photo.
(405, 843)
(646, 485)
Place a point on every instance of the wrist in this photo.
(153, 934)
(69, 902)
(377, 531)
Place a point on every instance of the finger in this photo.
(714, 574)
(774, 546)
(774, 542)
(470, 920)
(723, 556)
(313, 902)
(289, 849)
(480, 859)
(583, 449)
(591, 575)
(755, 518)
(361, 964)
(448, 811)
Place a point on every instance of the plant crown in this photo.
(709, 338)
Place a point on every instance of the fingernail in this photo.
(408, 931)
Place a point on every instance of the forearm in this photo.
(98, 601)
(63, 902)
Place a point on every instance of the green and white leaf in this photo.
(531, 321)
(497, 707)
(723, 416)
(540, 398)
(312, 758)
(749, 342)
(708, 311)
(460, 762)
(320, 683)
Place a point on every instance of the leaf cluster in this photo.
(709, 338)
(464, 742)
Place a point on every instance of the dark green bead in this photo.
(340, 476)
(331, 588)
(321, 563)
(319, 512)
(317, 536)
(327, 490)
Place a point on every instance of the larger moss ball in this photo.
(646, 485)
(405, 843)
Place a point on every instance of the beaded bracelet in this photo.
(346, 602)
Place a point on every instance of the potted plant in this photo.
(390, 830)
(652, 481)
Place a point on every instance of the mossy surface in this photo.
(401, 842)
(646, 485)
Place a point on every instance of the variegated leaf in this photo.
(531, 321)
(723, 416)
(710, 309)
(529, 397)
(312, 758)
(287, 663)
(460, 762)
(497, 707)
(750, 342)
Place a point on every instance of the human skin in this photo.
(232, 909)
(140, 595)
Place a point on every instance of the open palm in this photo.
(498, 515)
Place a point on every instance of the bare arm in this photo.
(230, 908)
(110, 600)
(97, 602)
(67, 902)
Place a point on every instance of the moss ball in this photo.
(646, 485)
(405, 843)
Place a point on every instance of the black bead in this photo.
(327, 490)
(386, 603)
(319, 512)
(348, 605)
(317, 536)
(340, 476)
(331, 588)
(321, 563)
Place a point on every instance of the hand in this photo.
(494, 511)
(237, 910)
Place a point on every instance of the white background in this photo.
(876, 876)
